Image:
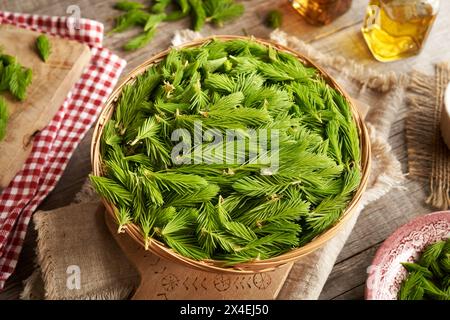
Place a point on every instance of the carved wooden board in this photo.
(52, 81)
(166, 280)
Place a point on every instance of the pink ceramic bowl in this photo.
(405, 244)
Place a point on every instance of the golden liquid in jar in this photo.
(321, 12)
(397, 29)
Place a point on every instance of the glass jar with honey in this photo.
(321, 12)
(396, 29)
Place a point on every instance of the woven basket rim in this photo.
(270, 264)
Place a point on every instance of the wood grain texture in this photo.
(342, 37)
(63, 68)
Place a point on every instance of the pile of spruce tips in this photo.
(230, 212)
(429, 277)
(201, 12)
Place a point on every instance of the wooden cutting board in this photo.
(51, 84)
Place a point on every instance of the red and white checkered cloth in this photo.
(54, 145)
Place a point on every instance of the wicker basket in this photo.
(163, 251)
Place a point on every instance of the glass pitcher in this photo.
(396, 29)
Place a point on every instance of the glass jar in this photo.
(396, 29)
(321, 12)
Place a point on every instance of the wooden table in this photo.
(343, 37)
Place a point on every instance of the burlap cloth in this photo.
(429, 161)
(83, 240)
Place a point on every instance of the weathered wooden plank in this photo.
(348, 274)
(353, 294)
(387, 214)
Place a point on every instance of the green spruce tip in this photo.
(221, 11)
(150, 26)
(230, 211)
(274, 19)
(140, 40)
(198, 14)
(14, 77)
(44, 47)
(131, 18)
(429, 278)
(128, 5)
